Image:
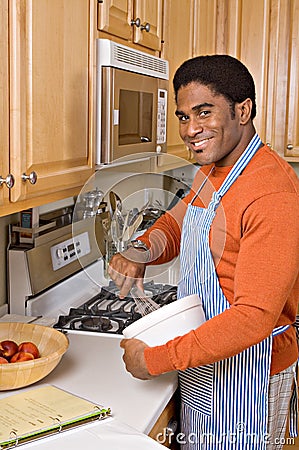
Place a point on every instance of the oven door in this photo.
(130, 104)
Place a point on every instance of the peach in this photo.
(21, 356)
(29, 347)
(3, 360)
(8, 348)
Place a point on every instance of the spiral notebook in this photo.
(43, 411)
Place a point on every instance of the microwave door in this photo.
(106, 116)
(131, 114)
(135, 117)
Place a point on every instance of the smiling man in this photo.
(237, 234)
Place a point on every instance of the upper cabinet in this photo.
(178, 46)
(5, 177)
(137, 21)
(46, 75)
(241, 29)
(262, 34)
(283, 73)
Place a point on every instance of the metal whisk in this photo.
(144, 304)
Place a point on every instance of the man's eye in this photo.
(204, 113)
(183, 118)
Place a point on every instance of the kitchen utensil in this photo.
(145, 305)
(126, 221)
(168, 322)
(115, 202)
(131, 229)
(52, 344)
(102, 230)
(132, 215)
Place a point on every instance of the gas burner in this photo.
(99, 324)
(107, 313)
(102, 324)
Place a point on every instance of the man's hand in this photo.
(126, 269)
(134, 358)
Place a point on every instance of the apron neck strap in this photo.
(237, 169)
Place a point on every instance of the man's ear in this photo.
(244, 110)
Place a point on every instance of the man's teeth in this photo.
(197, 144)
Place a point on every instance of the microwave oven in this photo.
(131, 102)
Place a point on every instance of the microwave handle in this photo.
(130, 161)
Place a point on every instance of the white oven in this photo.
(60, 281)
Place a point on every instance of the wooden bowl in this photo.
(52, 344)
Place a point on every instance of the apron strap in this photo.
(293, 421)
(280, 330)
(237, 169)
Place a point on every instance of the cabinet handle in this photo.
(9, 181)
(290, 147)
(146, 26)
(136, 22)
(32, 177)
(269, 144)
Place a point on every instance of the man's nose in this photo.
(194, 126)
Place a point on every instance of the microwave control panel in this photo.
(161, 116)
(67, 251)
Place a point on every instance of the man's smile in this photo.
(197, 146)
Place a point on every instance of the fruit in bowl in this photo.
(3, 360)
(21, 356)
(24, 368)
(8, 348)
(13, 352)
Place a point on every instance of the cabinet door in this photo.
(51, 95)
(252, 49)
(4, 99)
(114, 17)
(178, 46)
(241, 29)
(282, 117)
(149, 34)
(291, 147)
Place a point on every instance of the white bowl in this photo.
(168, 322)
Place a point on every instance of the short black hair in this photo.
(223, 74)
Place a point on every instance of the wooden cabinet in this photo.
(264, 35)
(4, 99)
(48, 80)
(283, 102)
(137, 21)
(166, 428)
(240, 29)
(178, 46)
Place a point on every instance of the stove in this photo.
(60, 281)
(107, 313)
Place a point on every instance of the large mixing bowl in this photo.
(168, 322)
(52, 344)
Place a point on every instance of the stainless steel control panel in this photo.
(67, 251)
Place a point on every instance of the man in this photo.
(237, 233)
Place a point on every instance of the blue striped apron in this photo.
(224, 405)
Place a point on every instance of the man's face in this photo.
(207, 127)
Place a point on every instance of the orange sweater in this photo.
(254, 241)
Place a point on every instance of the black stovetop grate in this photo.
(107, 313)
